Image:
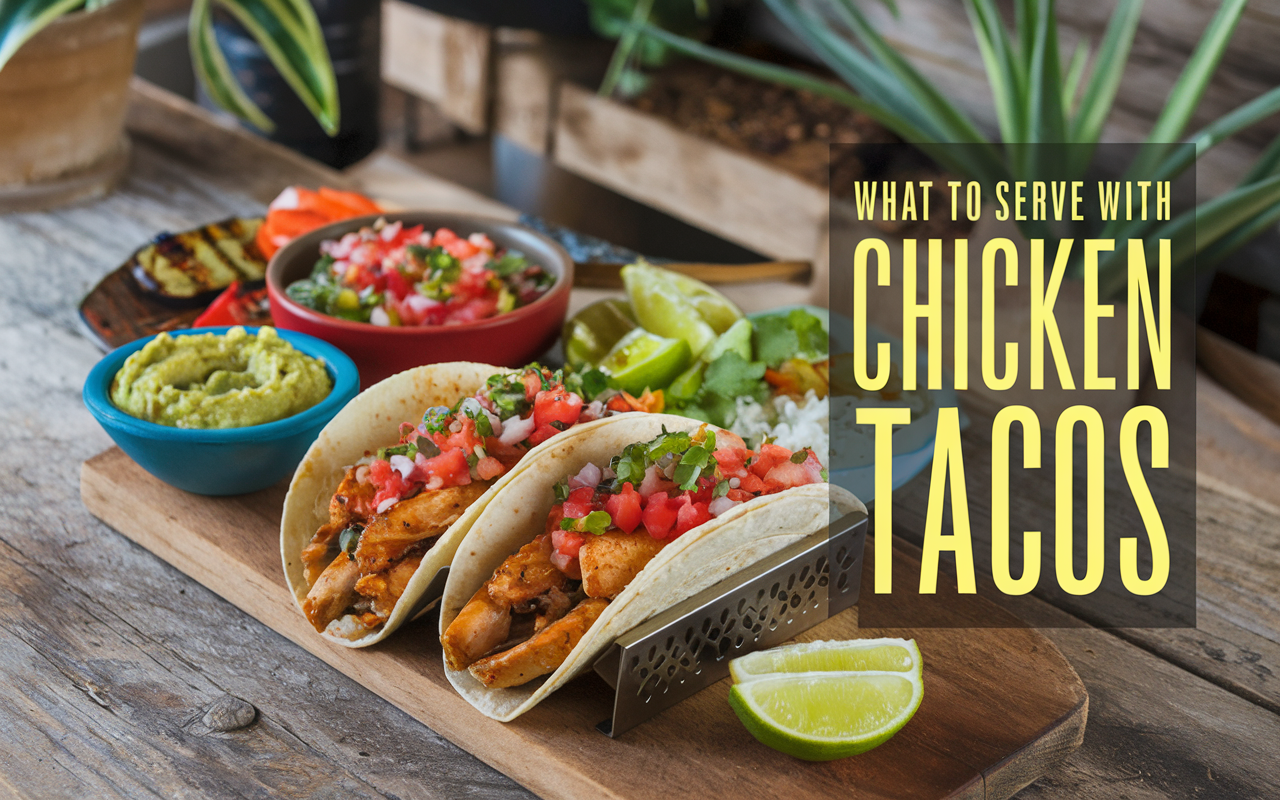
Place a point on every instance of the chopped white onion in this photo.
(385, 504)
(608, 474)
(721, 505)
(734, 483)
(652, 481)
(391, 231)
(591, 411)
(476, 262)
(516, 430)
(495, 421)
(362, 474)
(421, 304)
(588, 476)
(378, 316)
(403, 465)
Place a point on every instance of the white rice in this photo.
(787, 423)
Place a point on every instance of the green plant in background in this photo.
(620, 19)
(1041, 100)
(287, 30)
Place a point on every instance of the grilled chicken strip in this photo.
(612, 560)
(526, 582)
(527, 575)
(352, 502)
(389, 535)
(384, 588)
(481, 626)
(332, 593)
(542, 654)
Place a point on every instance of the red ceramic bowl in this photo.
(509, 340)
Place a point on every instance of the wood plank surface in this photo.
(439, 58)
(88, 617)
(1001, 705)
(699, 181)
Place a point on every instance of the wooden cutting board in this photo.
(1001, 706)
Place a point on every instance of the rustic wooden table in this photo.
(125, 678)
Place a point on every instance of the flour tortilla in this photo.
(370, 421)
(700, 558)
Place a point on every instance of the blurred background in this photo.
(689, 160)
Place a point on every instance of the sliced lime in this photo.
(643, 360)
(686, 384)
(677, 306)
(820, 716)
(737, 339)
(857, 655)
(593, 331)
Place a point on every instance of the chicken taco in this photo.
(602, 532)
(393, 482)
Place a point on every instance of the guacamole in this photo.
(211, 380)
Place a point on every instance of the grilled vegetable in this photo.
(189, 265)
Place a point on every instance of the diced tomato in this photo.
(691, 515)
(770, 456)
(482, 242)
(752, 483)
(732, 460)
(789, 474)
(450, 467)
(553, 519)
(389, 482)
(532, 384)
(568, 565)
(557, 404)
(398, 285)
(659, 515)
(461, 249)
(464, 439)
(580, 502)
(443, 237)
(618, 403)
(703, 493)
(729, 439)
(473, 309)
(740, 495)
(568, 543)
(489, 467)
(624, 508)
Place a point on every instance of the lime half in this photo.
(820, 716)
(678, 306)
(824, 700)
(857, 655)
(643, 360)
(594, 330)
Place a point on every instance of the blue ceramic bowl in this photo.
(222, 461)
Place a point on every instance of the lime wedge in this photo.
(677, 306)
(823, 700)
(593, 331)
(641, 360)
(858, 655)
(820, 716)
(737, 339)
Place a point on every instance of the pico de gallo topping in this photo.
(668, 486)
(394, 275)
(482, 436)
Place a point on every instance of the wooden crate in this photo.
(713, 187)
(444, 60)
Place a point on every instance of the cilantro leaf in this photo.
(511, 262)
(780, 338)
(731, 376)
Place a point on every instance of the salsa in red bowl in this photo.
(399, 290)
(393, 274)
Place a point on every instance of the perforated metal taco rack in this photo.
(688, 647)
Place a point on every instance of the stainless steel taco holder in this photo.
(687, 648)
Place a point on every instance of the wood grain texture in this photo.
(441, 59)
(97, 608)
(730, 194)
(1001, 705)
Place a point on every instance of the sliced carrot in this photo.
(293, 222)
(356, 202)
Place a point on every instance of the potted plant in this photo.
(64, 79)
